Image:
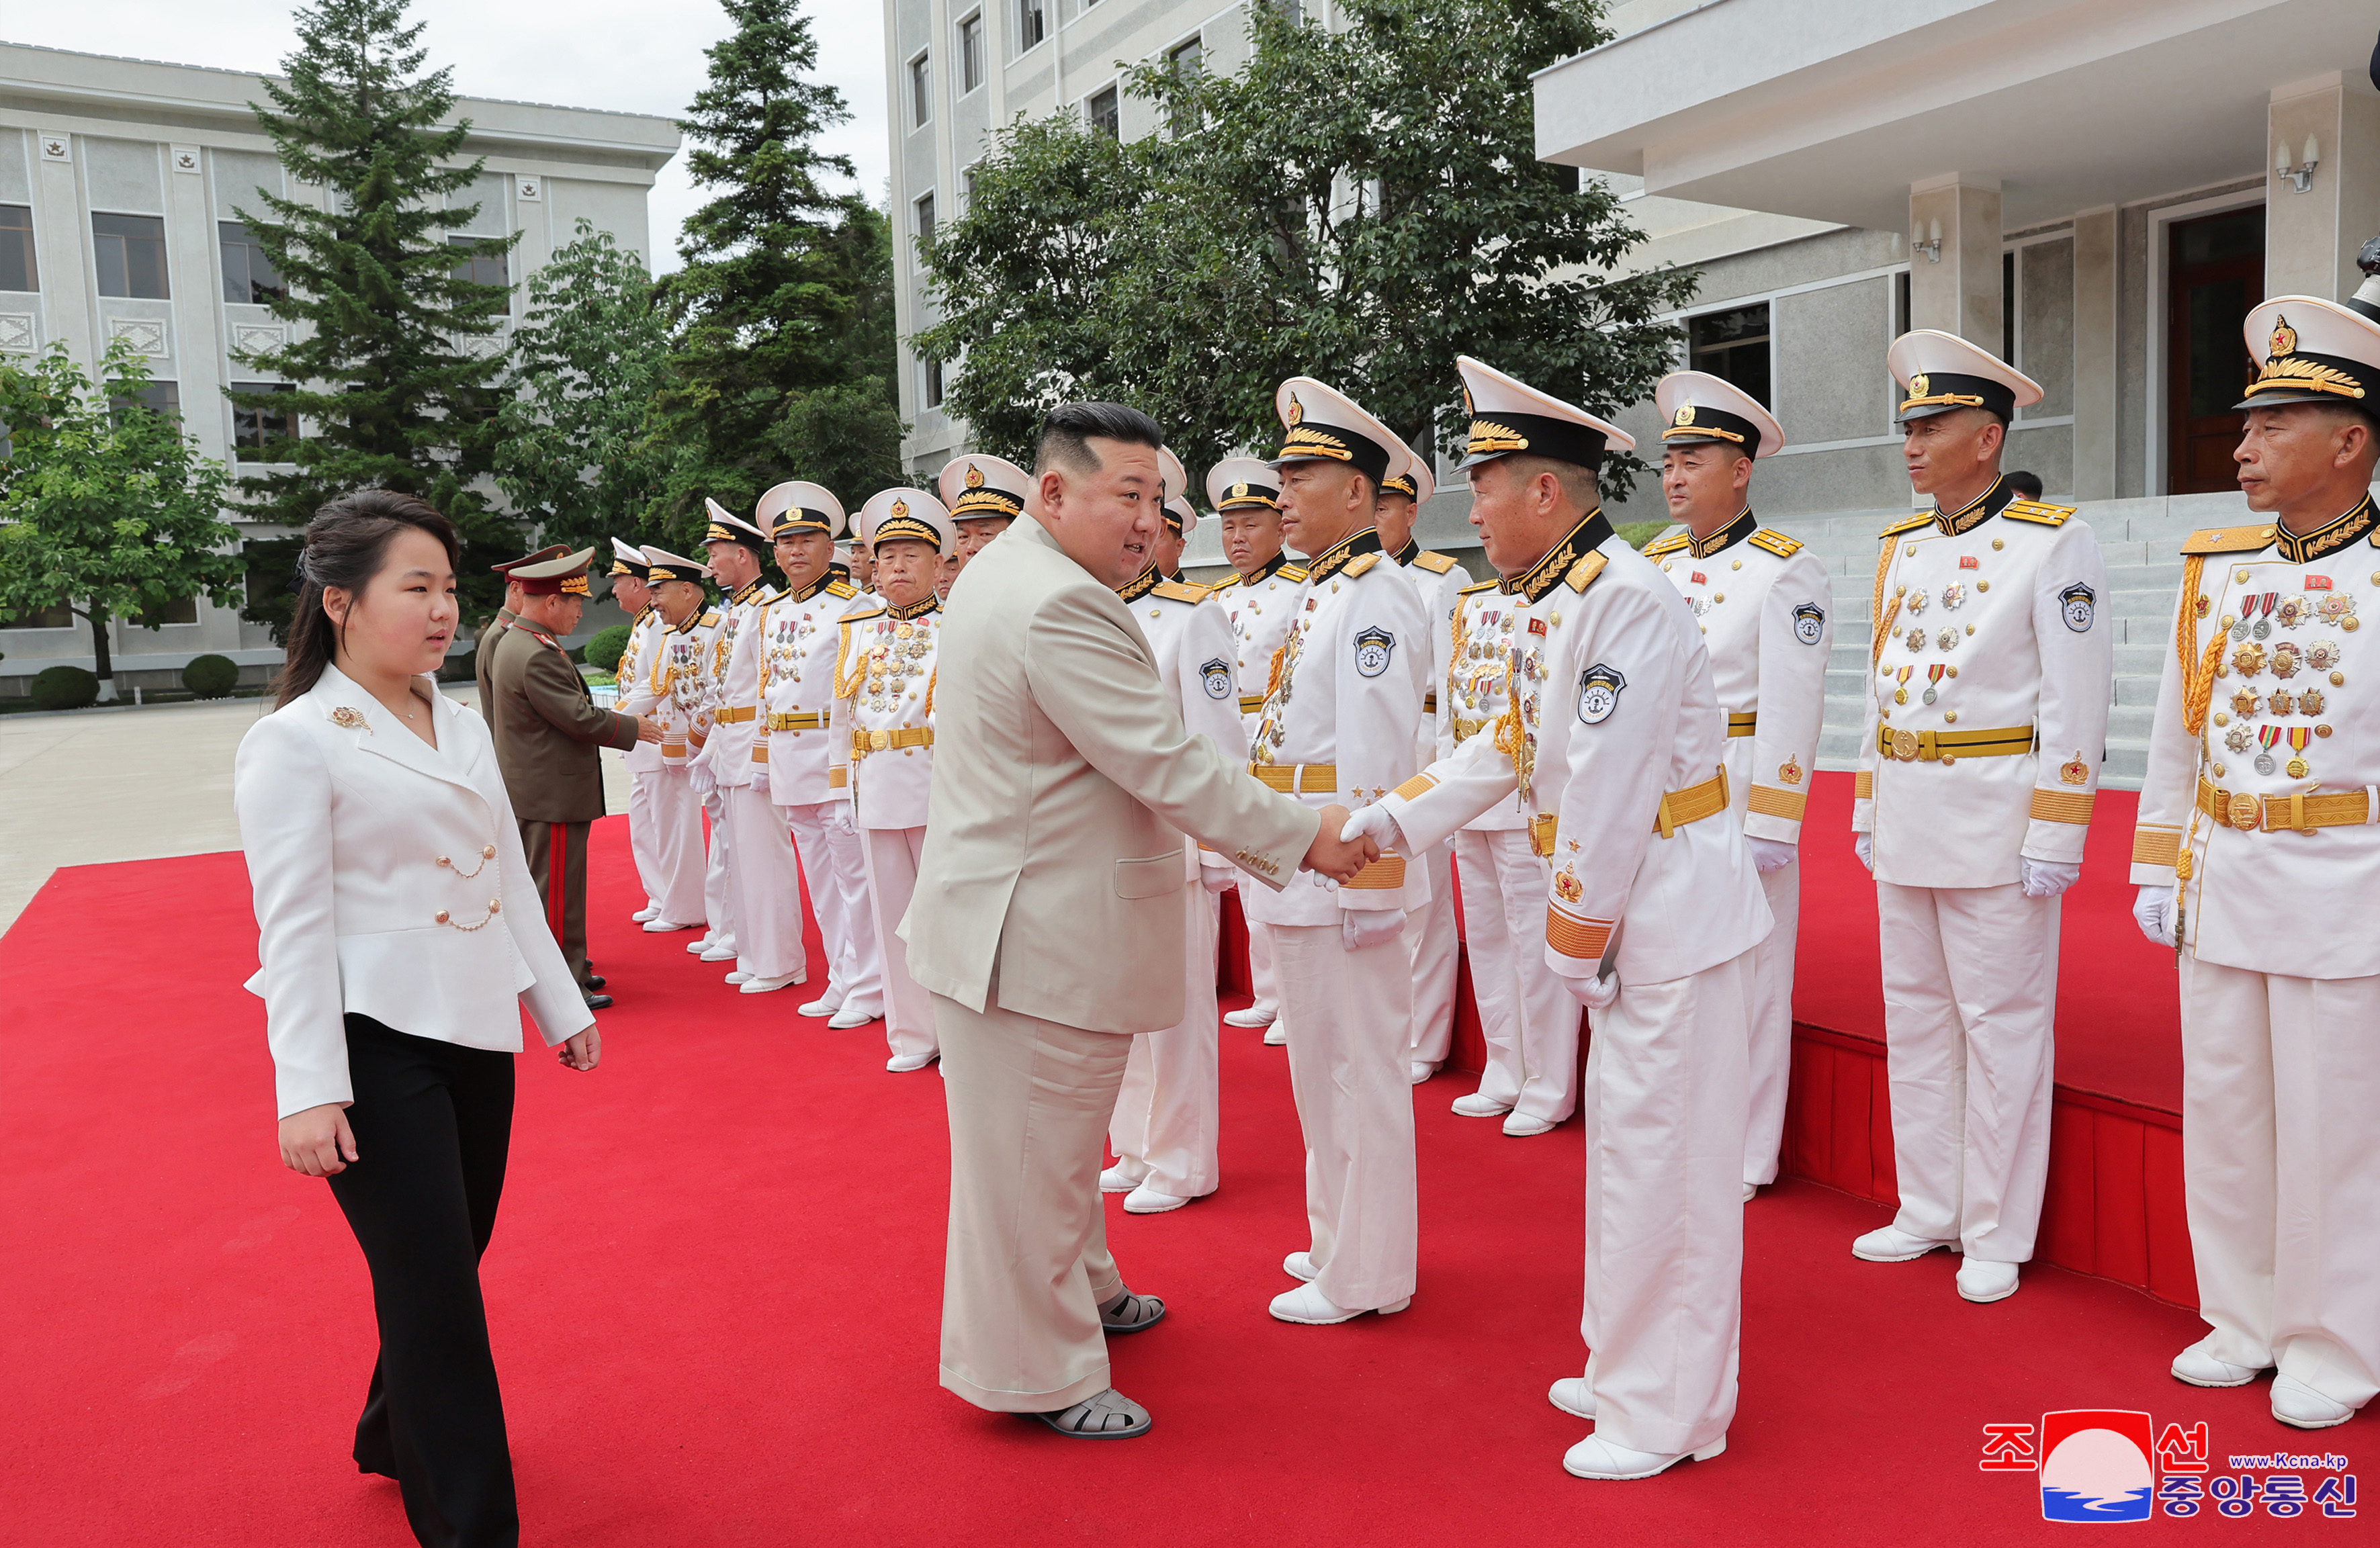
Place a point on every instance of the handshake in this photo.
(1338, 851)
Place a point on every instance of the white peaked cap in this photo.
(1322, 424)
(1242, 482)
(894, 514)
(1170, 468)
(1509, 416)
(975, 487)
(802, 505)
(1714, 409)
(1942, 372)
(725, 528)
(1183, 512)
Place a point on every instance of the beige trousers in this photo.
(2281, 1078)
(1028, 1264)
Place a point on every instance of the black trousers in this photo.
(434, 1125)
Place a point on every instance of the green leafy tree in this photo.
(779, 297)
(106, 508)
(395, 363)
(577, 455)
(1362, 204)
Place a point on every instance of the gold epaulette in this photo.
(1357, 566)
(1292, 571)
(2229, 539)
(710, 620)
(1479, 586)
(1179, 591)
(1775, 542)
(1231, 580)
(1670, 544)
(2033, 510)
(1435, 563)
(542, 634)
(1923, 518)
(863, 614)
(841, 588)
(1582, 575)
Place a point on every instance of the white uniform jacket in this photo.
(796, 642)
(1621, 734)
(1260, 606)
(1195, 652)
(1439, 581)
(389, 880)
(884, 692)
(1476, 689)
(1337, 725)
(735, 688)
(644, 636)
(675, 686)
(1767, 613)
(2258, 707)
(1990, 675)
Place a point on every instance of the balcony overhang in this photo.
(1830, 109)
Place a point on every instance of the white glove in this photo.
(2046, 878)
(838, 816)
(1594, 993)
(759, 778)
(1360, 927)
(1219, 879)
(1866, 844)
(1375, 823)
(1771, 855)
(2152, 910)
(698, 774)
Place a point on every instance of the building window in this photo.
(38, 618)
(971, 52)
(181, 610)
(1185, 63)
(1732, 345)
(1032, 23)
(1104, 115)
(483, 261)
(966, 190)
(254, 428)
(249, 278)
(930, 373)
(131, 253)
(159, 397)
(925, 218)
(17, 272)
(921, 89)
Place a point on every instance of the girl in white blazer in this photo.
(400, 935)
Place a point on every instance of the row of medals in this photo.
(1274, 732)
(1488, 669)
(1954, 597)
(894, 662)
(2248, 658)
(785, 648)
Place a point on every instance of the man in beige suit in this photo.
(1048, 918)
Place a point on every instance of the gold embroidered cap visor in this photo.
(2314, 352)
(975, 485)
(1309, 441)
(669, 566)
(1541, 435)
(1939, 372)
(1321, 424)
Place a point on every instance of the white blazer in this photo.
(389, 881)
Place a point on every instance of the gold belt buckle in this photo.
(1904, 746)
(2246, 811)
(1542, 830)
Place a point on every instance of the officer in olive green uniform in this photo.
(484, 649)
(549, 737)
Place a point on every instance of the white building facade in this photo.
(121, 186)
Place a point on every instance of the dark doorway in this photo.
(2215, 271)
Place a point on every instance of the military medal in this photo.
(2284, 702)
(2236, 739)
(2299, 736)
(2249, 660)
(2292, 611)
(2254, 603)
(1901, 695)
(1916, 603)
(1954, 596)
(1947, 638)
(2269, 737)
(2322, 655)
(2311, 702)
(2285, 658)
(2244, 702)
(1916, 640)
(1933, 675)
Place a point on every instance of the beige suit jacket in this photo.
(1063, 782)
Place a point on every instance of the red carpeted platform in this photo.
(715, 1291)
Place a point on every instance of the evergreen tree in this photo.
(394, 374)
(779, 296)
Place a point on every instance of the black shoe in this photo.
(594, 981)
(598, 1002)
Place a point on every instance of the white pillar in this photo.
(2311, 238)
(2096, 271)
(1956, 289)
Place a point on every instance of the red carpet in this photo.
(715, 1289)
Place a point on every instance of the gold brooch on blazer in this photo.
(349, 718)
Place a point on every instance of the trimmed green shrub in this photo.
(210, 677)
(605, 646)
(1636, 534)
(65, 688)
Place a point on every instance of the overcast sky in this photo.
(629, 55)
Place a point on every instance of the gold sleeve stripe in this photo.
(1384, 874)
(1770, 802)
(2062, 806)
(1863, 785)
(2155, 844)
(837, 778)
(1582, 939)
(1413, 789)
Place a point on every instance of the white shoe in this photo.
(1893, 1245)
(2199, 1367)
(846, 1018)
(1982, 1281)
(770, 985)
(1573, 1396)
(1421, 1070)
(1276, 1035)
(1523, 1126)
(2297, 1404)
(1596, 1458)
(648, 912)
(657, 925)
(903, 1064)
(1299, 1265)
(1119, 1178)
(1476, 1105)
(719, 954)
(1145, 1200)
(1307, 1305)
(1254, 1016)
(1750, 1190)
(697, 948)
(826, 1004)
(739, 976)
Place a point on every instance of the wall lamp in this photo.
(2298, 177)
(1932, 246)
